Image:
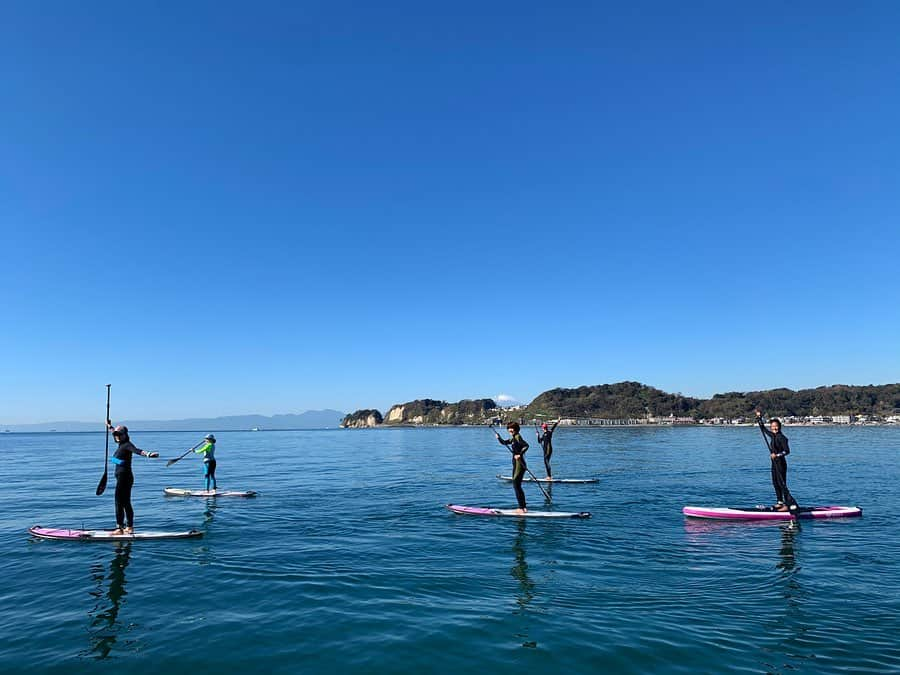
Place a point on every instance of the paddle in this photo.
(781, 481)
(101, 486)
(541, 487)
(186, 453)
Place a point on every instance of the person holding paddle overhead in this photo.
(779, 449)
(208, 450)
(518, 447)
(124, 477)
(546, 442)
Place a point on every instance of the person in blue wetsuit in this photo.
(545, 440)
(518, 447)
(124, 477)
(779, 449)
(208, 450)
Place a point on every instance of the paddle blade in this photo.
(101, 486)
(172, 461)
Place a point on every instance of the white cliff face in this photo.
(372, 421)
(395, 414)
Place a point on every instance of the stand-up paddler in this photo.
(518, 447)
(124, 477)
(779, 449)
(545, 440)
(208, 450)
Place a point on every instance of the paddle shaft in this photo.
(186, 453)
(536, 482)
(101, 486)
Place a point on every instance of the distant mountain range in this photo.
(311, 419)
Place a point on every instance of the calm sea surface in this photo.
(347, 562)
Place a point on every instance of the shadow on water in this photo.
(519, 571)
(105, 626)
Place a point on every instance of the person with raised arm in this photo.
(124, 476)
(545, 440)
(779, 449)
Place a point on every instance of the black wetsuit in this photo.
(778, 443)
(517, 446)
(546, 441)
(124, 482)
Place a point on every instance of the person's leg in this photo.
(776, 483)
(120, 506)
(548, 453)
(126, 503)
(212, 474)
(785, 493)
(518, 475)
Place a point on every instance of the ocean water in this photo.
(348, 562)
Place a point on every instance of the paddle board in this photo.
(181, 492)
(107, 535)
(529, 479)
(768, 513)
(487, 511)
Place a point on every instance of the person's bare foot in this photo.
(782, 507)
(128, 530)
(117, 532)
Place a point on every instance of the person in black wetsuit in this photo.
(124, 477)
(779, 449)
(518, 447)
(546, 442)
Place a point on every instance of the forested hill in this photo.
(613, 401)
(636, 400)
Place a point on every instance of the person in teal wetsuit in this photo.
(208, 450)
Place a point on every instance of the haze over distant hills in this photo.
(311, 419)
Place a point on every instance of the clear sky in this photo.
(228, 208)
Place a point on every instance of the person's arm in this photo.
(504, 441)
(203, 449)
(555, 424)
(143, 453)
(524, 448)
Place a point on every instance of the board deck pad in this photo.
(511, 513)
(107, 535)
(183, 492)
(529, 479)
(768, 513)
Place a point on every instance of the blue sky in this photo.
(269, 207)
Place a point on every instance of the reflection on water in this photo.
(788, 559)
(211, 507)
(519, 571)
(105, 626)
